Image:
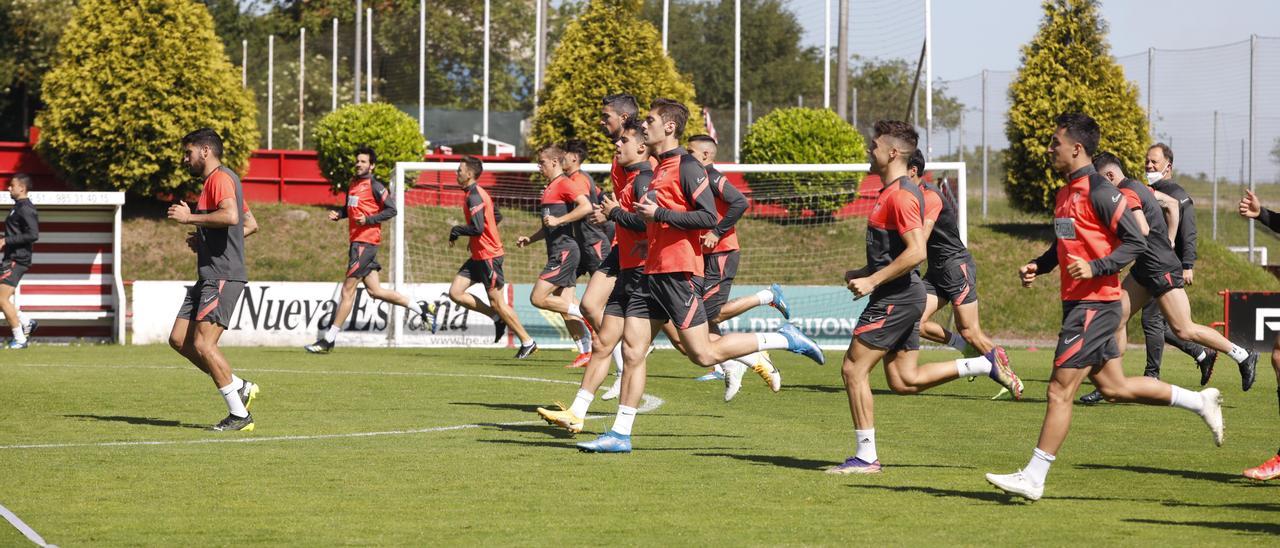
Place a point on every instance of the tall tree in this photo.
(1068, 67)
(884, 93)
(29, 33)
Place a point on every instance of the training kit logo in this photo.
(1261, 323)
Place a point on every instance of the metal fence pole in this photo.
(855, 107)
(737, 81)
(359, 38)
(666, 13)
(826, 54)
(422, 67)
(537, 50)
(484, 147)
(333, 101)
(984, 143)
(271, 87)
(368, 55)
(244, 63)
(302, 79)
(1151, 57)
(928, 76)
(1253, 55)
(1213, 172)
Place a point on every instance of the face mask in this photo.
(1153, 176)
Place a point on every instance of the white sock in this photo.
(236, 382)
(765, 296)
(581, 403)
(1238, 354)
(332, 334)
(957, 342)
(416, 308)
(626, 417)
(770, 341)
(234, 405)
(866, 445)
(23, 319)
(1186, 399)
(1038, 469)
(972, 367)
(718, 368)
(584, 344)
(1202, 355)
(617, 358)
(18, 335)
(575, 310)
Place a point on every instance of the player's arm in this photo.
(1172, 213)
(30, 230)
(1135, 209)
(581, 208)
(907, 217)
(1043, 264)
(1122, 223)
(250, 223)
(226, 215)
(385, 202)
(630, 219)
(1251, 208)
(702, 204)
(475, 223)
(526, 240)
(1187, 233)
(736, 200)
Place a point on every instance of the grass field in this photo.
(104, 446)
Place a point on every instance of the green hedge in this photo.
(804, 136)
(392, 134)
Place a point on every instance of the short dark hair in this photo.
(205, 137)
(899, 130)
(1104, 159)
(1164, 149)
(916, 160)
(553, 151)
(22, 179)
(1080, 128)
(576, 146)
(622, 103)
(671, 110)
(474, 164)
(368, 151)
(703, 139)
(636, 126)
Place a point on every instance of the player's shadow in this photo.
(141, 421)
(823, 388)
(1239, 526)
(555, 432)
(774, 460)
(1254, 506)
(985, 496)
(1217, 477)
(529, 443)
(524, 408)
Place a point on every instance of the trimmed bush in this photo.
(133, 77)
(392, 134)
(804, 136)
(608, 49)
(1068, 67)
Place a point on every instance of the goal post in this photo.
(804, 249)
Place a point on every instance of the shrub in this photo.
(132, 77)
(392, 134)
(804, 136)
(1066, 67)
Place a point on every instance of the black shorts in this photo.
(892, 322)
(593, 257)
(1088, 336)
(1159, 284)
(956, 283)
(361, 260)
(486, 272)
(11, 272)
(611, 267)
(675, 296)
(211, 301)
(628, 283)
(562, 267)
(721, 269)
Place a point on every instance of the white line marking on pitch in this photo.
(648, 403)
(23, 528)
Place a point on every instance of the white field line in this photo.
(23, 528)
(648, 403)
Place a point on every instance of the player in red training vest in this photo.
(889, 327)
(368, 205)
(485, 265)
(1096, 236)
(594, 242)
(222, 220)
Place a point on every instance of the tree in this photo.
(392, 134)
(133, 77)
(804, 136)
(884, 93)
(31, 29)
(608, 49)
(1068, 67)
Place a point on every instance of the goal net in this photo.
(805, 227)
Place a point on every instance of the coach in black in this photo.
(21, 229)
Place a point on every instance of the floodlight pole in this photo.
(1253, 57)
(422, 67)
(666, 15)
(484, 147)
(271, 87)
(1151, 57)
(826, 54)
(984, 143)
(333, 101)
(928, 76)
(1213, 173)
(737, 81)
(302, 78)
(537, 50)
(244, 63)
(359, 37)
(368, 55)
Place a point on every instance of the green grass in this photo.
(704, 472)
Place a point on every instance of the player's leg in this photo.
(1134, 296)
(929, 329)
(458, 293)
(373, 285)
(1153, 327)
(182, 339)
(346, 301)
(607, 337)
(970, 327)
(906, 376)
(210, 322)
(10, 310)
(1271, 468)
(507, 314)
(1177, 311)
(859, 359)
(599, 287)
(637, 335)
(770, 297)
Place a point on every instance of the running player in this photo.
(953, 274)
(1154, 326)
(564, 203)
(1157, 275)
(1251, 208)
(21, 230)
(594, 242)
(368, 206)
(889, 327)
(222, 220)
(721, 257)
(1096, 238)
(629, 254)
(676, 208)
(485, 265)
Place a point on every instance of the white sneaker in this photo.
(1212, 413)
(733, 370)
(613, 391)
(764, 367)
(1016, 484)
